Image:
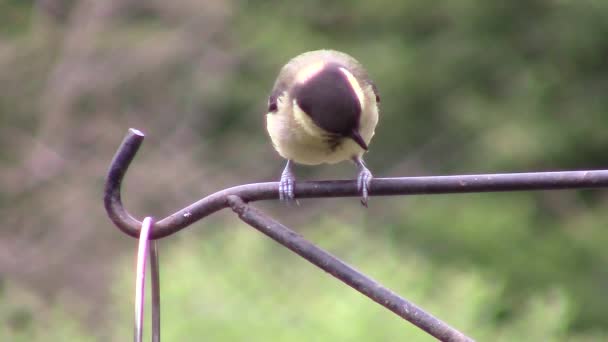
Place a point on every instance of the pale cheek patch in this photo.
(304, 121)
(309, 71)
(355, 85)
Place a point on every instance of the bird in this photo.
(323, 108)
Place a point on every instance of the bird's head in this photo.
(332, 97)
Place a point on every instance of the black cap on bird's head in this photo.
(329, 94)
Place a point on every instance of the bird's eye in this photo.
(377, 98)
(272, 104)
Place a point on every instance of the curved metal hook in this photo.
(112, 200)
(179, 220)
(338, 188)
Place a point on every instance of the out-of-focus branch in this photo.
(340, 188)
(344, 272)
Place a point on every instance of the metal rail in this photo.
(238, 198)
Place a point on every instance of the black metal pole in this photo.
(341, 188)
(345, 273)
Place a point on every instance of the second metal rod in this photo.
(345, 273)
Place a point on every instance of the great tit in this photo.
(323, 108)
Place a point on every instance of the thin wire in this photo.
(140, 278)
(155, 284)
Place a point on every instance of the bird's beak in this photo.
(358, 139)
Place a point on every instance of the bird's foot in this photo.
(287, 185)
(363, 181)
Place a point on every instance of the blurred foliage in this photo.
(24, 317)
(466, 87)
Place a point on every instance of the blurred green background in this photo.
(466, 87)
